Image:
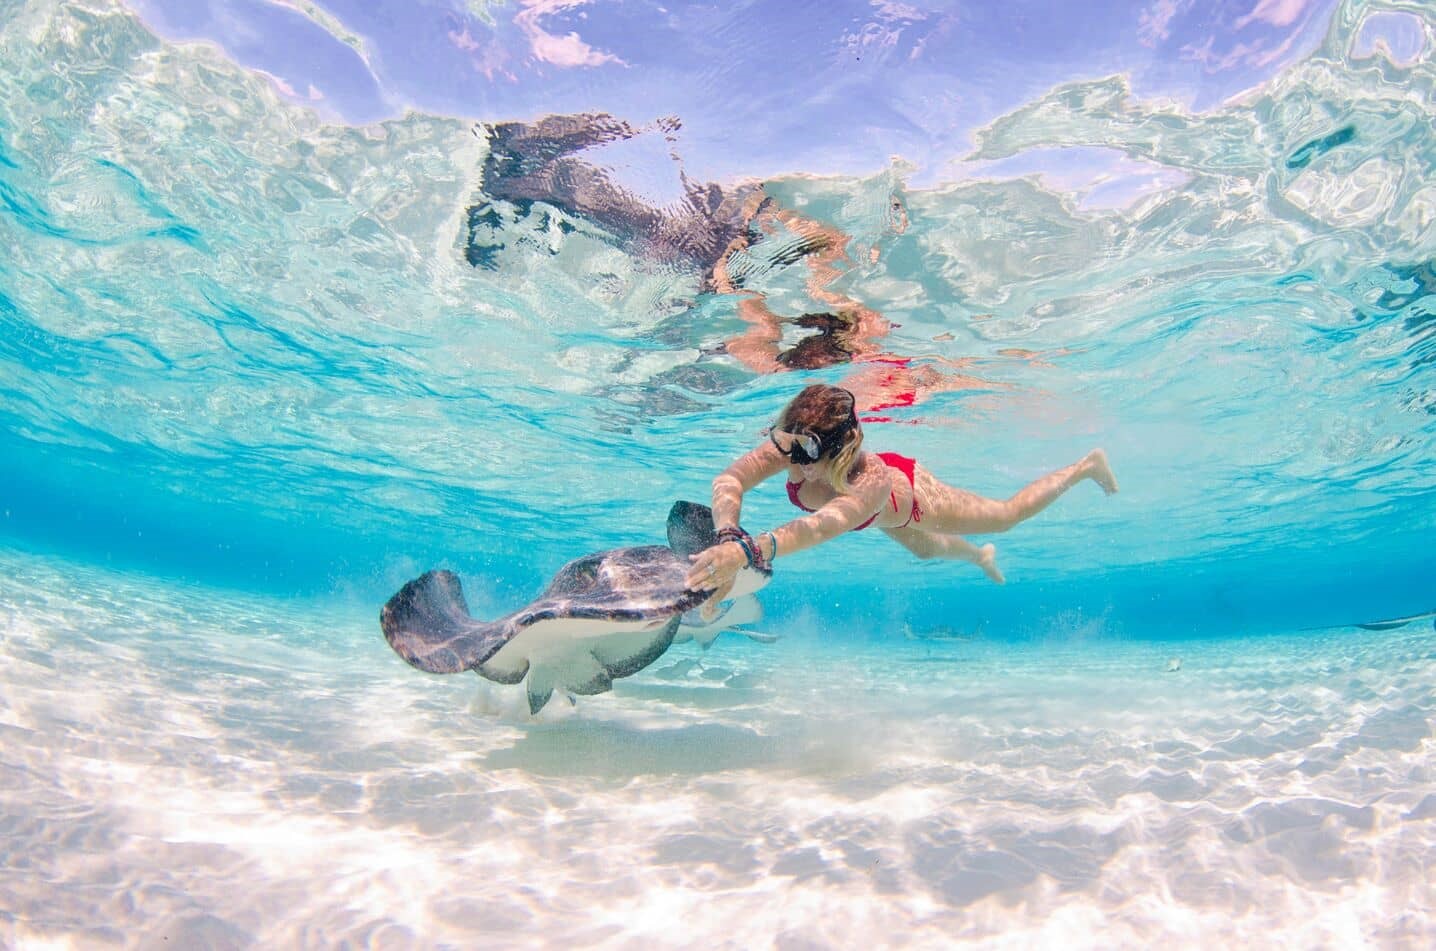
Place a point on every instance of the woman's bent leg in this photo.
(925, 544)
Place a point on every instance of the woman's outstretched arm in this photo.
(746, 472)
(839, 515)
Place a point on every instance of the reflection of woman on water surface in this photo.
(848, 333)
(542, 162)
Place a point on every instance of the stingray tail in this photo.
(428, 624)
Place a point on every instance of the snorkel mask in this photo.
(805, 448)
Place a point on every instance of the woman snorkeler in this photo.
(818, 440)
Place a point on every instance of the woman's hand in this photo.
(715, 569)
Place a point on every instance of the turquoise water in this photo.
(249, 385)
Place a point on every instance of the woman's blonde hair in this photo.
(829, 413)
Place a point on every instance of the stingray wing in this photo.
(690, 528)
(428, 624)
(642, 581)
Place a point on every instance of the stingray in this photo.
(1390, 624)
(603, 616)
(942, 632)
(743, 610)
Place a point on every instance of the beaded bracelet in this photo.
(773, 557)
(744, 540)
(752, 551)
(731, 534)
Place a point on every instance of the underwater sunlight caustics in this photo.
(349, 346)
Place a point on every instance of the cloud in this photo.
(891, 10)
(312, 94)
(871, 39)
(1262, 59)
(491, 59)
(1256, 55)
(881, 35)
(1258, 52)
(565, 51)
(279, 84)
(1275, 12)
(1155, 23)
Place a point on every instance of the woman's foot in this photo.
(987, 561)
(1100, 471)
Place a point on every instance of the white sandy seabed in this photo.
(191, 768)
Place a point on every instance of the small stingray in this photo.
(744, 610)
(604, 616)
(1390, 624)
(942, 632)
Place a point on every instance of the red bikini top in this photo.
(903, 464)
